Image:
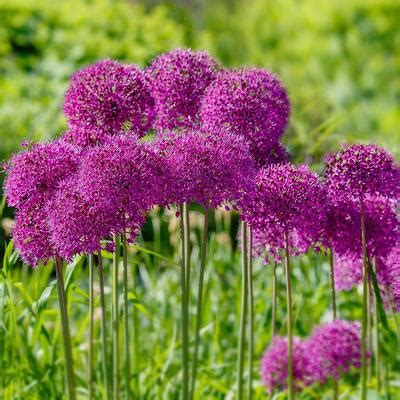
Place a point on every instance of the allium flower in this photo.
(359, 170)
(179, 79)
(286, 200)
(75, 225)
(274, 364)
(278, 154)
(252, 103)
(206, 168)
(109, 96)
(392, 271)
(82, 136)
(334, 349)
(348, 272)
(117, 179)
(34, 173)
(32, 236)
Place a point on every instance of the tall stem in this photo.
(363, 393)
(136, 368)
(377, 344)
(369, 322)
(116, 357)
(126, 317)
(103, 328)
(199, 301)
(243, 315)
(91, 323)
(65, 328)
(185, 322)
(274, 294)
(289, 319)
(334, 309)
(251, 312)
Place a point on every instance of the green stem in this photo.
(363, 392)
(91, 324)
(116, 357)
(136, 369)
(377, 344)
(243, 315)
(251, 312)
(103, 328)
(126, 317)
(185, 322)
(334, 309)
(274, 294)
(289, 319)
(66, 333)
(369, 322)
(199, 301)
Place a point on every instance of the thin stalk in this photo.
(243, 315)
(185, 322)
(334, 309)
(289, 319)
(126, 317)
(274, 294)
(91, 324)
(135, 364)
(116, 356)
(251, 312)
(199, 301)
(363, 392)
(103, 328)
(369, 322)
(377, 344)
(66, 332)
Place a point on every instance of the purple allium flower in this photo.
(179, 79)
(117, 179)
(252, 103)
(274, 364)
(392, 272)
(82, 136)
(75, 225)
(32, 236)
(34, 173)
(286, 199)
(333, 349)
(278, 154)
(348, 272)
(211, 169)
(359, 170)
(109, 96)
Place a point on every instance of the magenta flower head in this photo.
(110, 96)
(348, 272)
(84, 136)
(286, 200)
(117, 179)
(252, 103)
(334, 349)
(207, 168)
(179, 79)
(278, 154)
(360, 170)
(274, 364)
(32, 236)
(34, 173)
(390, 268)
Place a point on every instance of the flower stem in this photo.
(289, 319)
(377, 344)
(251, 312)
(334, 309)
(91, 323)
(185, 322)
(103, 327)
(199, 301)
(369, 321)
(243, 315)
(116, 357)
(363, 393)
(126, 317)
(66, 333)
(274, 294)
(136, 369)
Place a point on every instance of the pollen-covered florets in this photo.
(179, 79)
(110, 96)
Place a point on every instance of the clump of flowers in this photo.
(252, 103)
(278, 154)
(274, 364)
(179, 79)
(348, 272)
(111, 97)
(204, 167)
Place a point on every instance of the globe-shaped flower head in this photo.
(204, 167)
(111, 97)
(252, 103)
(179, 79)
(359, 170)
(286, 201)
